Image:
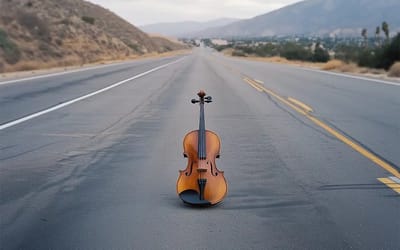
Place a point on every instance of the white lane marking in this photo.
(351, 76)
(395, 179)
(67, 103)
(59, 73)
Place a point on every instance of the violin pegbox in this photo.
(202, 98)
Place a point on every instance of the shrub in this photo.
(135, 47)
(391, 53)
(11, 51)
(35, 25)
(381, 58)
(168, 48)
(222, 47)
(88, 19)
(267, 50)
(320, 55)
(368, 58)
(332, 65)
(340, 66)
(59, 42)
(348, 67)
(66, 21)
(394, 71)
(246, 49)
(347, 53)
(238, 53)
(293, 51)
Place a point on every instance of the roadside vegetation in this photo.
(88, 19)
(10, 50)
(379, 52)
(395, 70)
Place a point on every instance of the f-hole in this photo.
(190, 169)
(212, 170)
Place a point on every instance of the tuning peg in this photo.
(195, 101)
(208, 99)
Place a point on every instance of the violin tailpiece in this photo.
(202, 185)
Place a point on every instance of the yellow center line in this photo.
(366, 153)
(300, 104)
(390, 183)
(305, 111)
(283, 100)
(250, 82)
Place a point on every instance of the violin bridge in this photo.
(203, 166)
(202, 170)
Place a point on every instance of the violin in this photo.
(201, 183)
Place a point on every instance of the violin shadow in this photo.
(176, 203)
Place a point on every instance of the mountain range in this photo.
(315, 17)
(185, 29)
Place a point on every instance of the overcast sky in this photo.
(140, 12)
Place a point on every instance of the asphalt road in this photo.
(99, 172)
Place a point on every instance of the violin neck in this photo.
(202, 135)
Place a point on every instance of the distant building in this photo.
(219, 42)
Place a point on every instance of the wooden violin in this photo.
(201, 183)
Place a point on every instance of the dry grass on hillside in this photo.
(394, 71)
(171, 39)
(46, 33)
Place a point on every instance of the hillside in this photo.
(185, 29)
(316, 17)
(47, 33)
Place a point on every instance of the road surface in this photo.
(90, 159)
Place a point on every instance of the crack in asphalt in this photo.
(27, 151)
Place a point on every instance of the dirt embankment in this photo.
(37, 34)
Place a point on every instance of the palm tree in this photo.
(378, 35)
(385, 29)
(364, 34)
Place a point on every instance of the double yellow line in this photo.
(253, 83)
(392, 183)
(307, 111)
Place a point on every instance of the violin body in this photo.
(216, 187)
(201, 183)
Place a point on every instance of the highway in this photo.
(89, 159)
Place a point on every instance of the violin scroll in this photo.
(203, 98)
